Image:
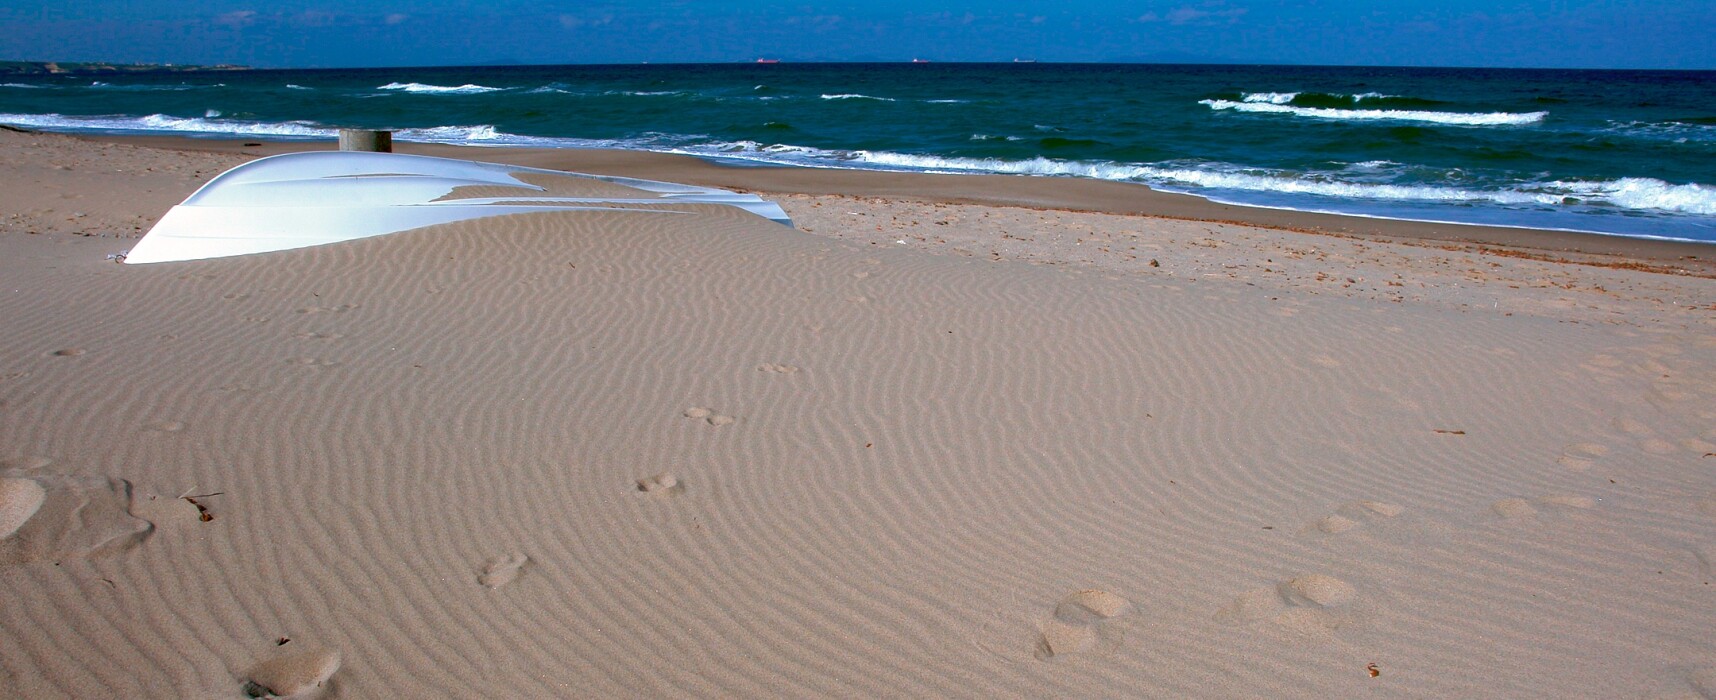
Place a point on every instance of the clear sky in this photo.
(330, 33)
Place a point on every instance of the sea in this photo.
(1619, 152)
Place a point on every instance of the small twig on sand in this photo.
(202, 510)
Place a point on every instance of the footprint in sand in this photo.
(311, 362)
(313, 335)
(777, 369)
(1354, 513)
(54, 516)
(708, 416)
(1702, 561)
(299, 674)
(67, 352)
(661, 485)
(1513, 508)
(1314, 603)
(1646, 437)
(1520, 508)
(1081, 624)
(1581, 456)
(501, 571)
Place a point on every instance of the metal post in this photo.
(366, 140)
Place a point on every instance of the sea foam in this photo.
(420, 88)
(481, 134)
(1633, 193)
(168, 123)
(1281, 98)
(854, 96)
(1452, 118)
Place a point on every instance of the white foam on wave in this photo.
(452, 134)
(1452, 118)
(855, 96)
(1630, 193)
(18, 85)
(290, 86)
(482, 134)
(550, 89)
(1639, 194)
(421, 88)
(168, 123)
(1672, 131)
(1281, 98)
(1635, 193)
(1645, 193)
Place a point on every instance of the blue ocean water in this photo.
(1619, 152)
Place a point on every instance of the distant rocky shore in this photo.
(75, 68)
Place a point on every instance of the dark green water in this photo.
(1620, 152)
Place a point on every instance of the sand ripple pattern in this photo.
(977, 479)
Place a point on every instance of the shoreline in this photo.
(1056, 194)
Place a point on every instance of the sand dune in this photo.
(635, 454)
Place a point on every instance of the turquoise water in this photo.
(1619, 152)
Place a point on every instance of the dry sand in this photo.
(918, 448)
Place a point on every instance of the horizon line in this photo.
(771, 61)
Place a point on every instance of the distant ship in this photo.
(920, 60)
(1024, 60)
(768, 60)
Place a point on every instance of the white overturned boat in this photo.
(300, 200)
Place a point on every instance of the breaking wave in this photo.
(162, 123)
(212, 127)
(1373, 181)
(1634, 193)
(853, 96)
(1452, 118)
(420, 88)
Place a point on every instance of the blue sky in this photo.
(321, 33)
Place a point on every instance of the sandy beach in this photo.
(951, 436)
